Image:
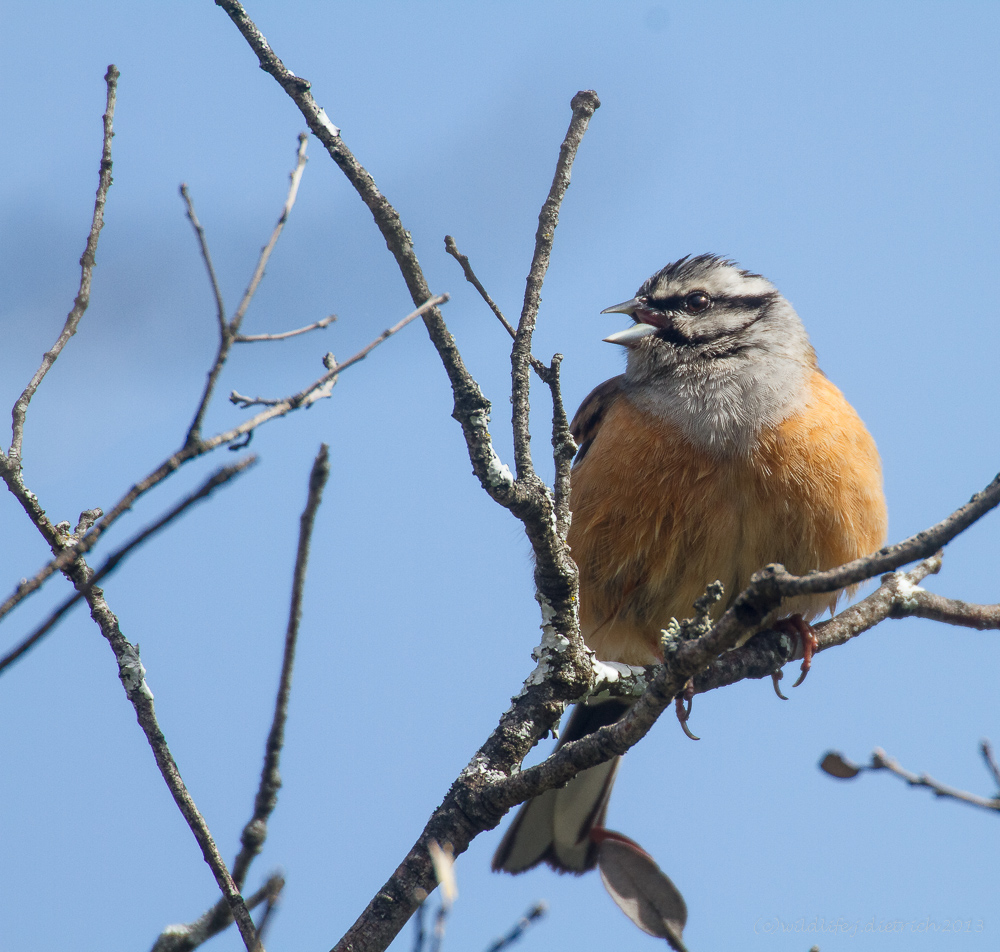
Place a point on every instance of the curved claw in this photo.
(776, 676)
(682, 705)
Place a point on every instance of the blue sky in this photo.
(847, 151)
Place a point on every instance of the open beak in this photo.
(631, 334)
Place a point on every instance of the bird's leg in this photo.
(797, 625)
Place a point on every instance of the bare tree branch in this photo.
(520, 927)
(255, 832)
(471, 408)
(923, 604)
(334, 367)
(424, 309)
(563, 445)
(72, 547)
(87, 263)
(470, 276)
(206, 256)
(186, 937)
(836, 765)
(986, 749)
(133, 677)
(131, 671)
(295, 178)
(315, 326)
(882, 761)
(217, 479)
(229, 330)
(584, 104)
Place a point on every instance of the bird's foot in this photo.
(797, 625)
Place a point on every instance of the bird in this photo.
(722, 448)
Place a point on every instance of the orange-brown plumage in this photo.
(656, 518)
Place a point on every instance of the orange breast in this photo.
(656, 519)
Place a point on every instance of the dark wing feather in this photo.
(589, 417)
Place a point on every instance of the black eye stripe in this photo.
(733, 302)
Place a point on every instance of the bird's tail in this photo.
(555, 826)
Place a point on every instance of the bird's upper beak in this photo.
(626, 307)
(631, 334)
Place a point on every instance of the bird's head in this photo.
(704, 309)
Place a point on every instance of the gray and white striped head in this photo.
(716, 349)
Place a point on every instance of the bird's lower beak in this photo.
(630, 335)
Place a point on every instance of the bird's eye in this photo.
(696, 302)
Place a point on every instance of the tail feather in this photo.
(555, 826)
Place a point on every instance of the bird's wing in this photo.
(589, 417)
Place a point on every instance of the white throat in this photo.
(722, 405)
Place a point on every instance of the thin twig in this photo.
(584, 104)
(253, 338)
(87, 262)
(133, 677)
(295, 178)
(986, 749)
(520, 927)
(326, 382)
(255, 832)
(424, 308)
(225, 335)
(470, 276)
(243, 402)
(184, 937)
(206, 256)
(882, 761)
(217, 479)
(228, 330)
